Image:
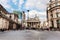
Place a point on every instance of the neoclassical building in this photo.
(8, 20)
(33, 22)
(53, 13)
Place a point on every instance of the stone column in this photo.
(54, 14)
(50, 24)
(49, 19)
(55, 23)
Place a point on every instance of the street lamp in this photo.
(28, 13)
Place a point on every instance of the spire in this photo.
(23, 15)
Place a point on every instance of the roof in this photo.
(3, 16)
(3, 9)
(33, 20)
(13, 14)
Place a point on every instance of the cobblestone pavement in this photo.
(30, 35)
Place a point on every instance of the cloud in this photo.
(36, 4)
(41, 15)
(29, 4)
(5, 3)
(14, 1)
(20, 3)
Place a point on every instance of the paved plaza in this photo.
(30, 35)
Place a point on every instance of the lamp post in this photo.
(23, 19)
(28, 18)
(28, 13)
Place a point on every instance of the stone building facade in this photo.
(8, 20)
(33, 23)
(53, 13)
(45, 25)
(4, 23)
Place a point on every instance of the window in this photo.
(51, 15)
(58, 14)
(58, 23)
(10, 16)
(52, 24)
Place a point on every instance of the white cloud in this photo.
(14, 1)
(41, 15)
(20, 3)
(5, 3)
(38, 4)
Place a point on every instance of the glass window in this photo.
(10, 16)
(52, 24)
(57, 23)
(58, 14)
(51, 15)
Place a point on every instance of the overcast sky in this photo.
(35, 6)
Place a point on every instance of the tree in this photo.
(18, 13)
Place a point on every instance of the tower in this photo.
(28, 13)
(23, 19)
(23, 15)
